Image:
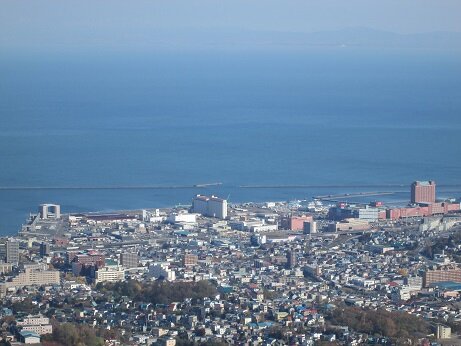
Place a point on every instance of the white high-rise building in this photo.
(211, 206)
(49, 211)
(162, 270)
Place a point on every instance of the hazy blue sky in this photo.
(46, 22)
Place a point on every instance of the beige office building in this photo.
(109, 274)
(32, 276)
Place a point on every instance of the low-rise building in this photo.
(109, 274)
(37, 324)
(32, 276)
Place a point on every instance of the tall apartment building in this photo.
(12, 252)
(9, 251)
(291, 259)
(44, 249)
(439, 275)
(310, 227)
(423, 192)
(211, 206)
(129, 259)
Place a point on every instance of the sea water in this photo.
(329, 118)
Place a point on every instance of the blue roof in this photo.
(182, 233)
(225, 289)
(7, 312)
(110, 262)
(27, 333)
(260, 324)
(448, 285)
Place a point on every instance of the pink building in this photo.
(423, 192)
(296, 223)
(453, 207)
(424, 210)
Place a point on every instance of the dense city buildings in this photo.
(249, 273)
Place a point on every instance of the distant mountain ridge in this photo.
(361, 37)
(371, 37)
(229, 38)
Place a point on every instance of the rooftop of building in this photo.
(424, 182)
(207, 198)
(26, 333)
(447, 285)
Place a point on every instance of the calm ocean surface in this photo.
(320, 117)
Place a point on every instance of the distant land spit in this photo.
(194, 186)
